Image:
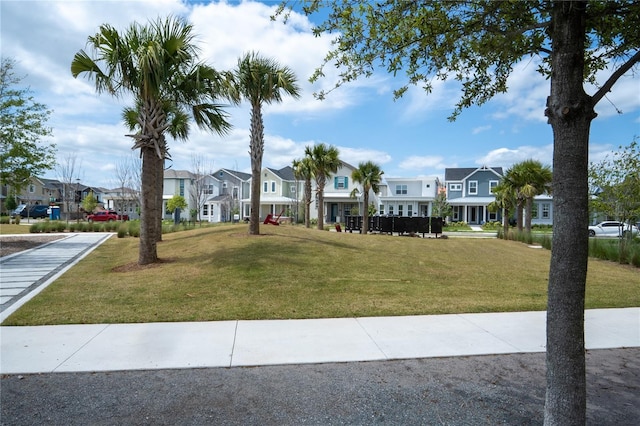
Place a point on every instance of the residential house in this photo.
(470, 191)
(224, 193)
(542, 210)
(410, 197)
(123, 200)
(340, 199)
(279, 192)
(178, 182)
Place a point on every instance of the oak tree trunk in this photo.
(570, 111)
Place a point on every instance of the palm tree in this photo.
(260, 80)
(528, 179)
(369, 175)
(505, 201)
(303, 169)
(325, 162)
(157, 65)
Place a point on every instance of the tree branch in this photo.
(606, 87)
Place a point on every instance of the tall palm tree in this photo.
(369, 175)
(260, 80)
(325, 162)
(303, 169)
(156, 64)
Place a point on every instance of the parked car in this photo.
(612, 228)
(106, 216)
(18, 210)
(37, 211)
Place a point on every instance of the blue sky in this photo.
(409, 137)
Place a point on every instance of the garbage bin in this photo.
(54, 212)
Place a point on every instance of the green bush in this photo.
(123, 230)
(36, 228)
(134, 228)
(60, 226)
(5, 220)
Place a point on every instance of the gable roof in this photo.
(459, 174)
(240, 175)
(285, 173)
(178, 174)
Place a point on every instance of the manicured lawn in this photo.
(14, 229)
(221, 273)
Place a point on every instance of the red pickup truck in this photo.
(106, 216)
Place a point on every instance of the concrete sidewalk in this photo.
(103, 347)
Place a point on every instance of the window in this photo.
(400, 210)
(455, 187)
(265, 187)
(409, 210)
(32, 188)
(493, 216)
(546, 210)
(205, 210)
(401, 189)
(341, 182)
(182, 187)
(492, 185)
(273, 187)
(391, 210)
(208, 189)
(473, 187)
(381, 209)
(235, 192)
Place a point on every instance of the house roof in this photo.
(285, 173)
(459, 174)
(240, 175)
(178, 174)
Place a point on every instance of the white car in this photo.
(612, 228)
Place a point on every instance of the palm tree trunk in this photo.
(527, 220)
(256, 149)
(148, 209)
(307, 201)
(365, 213)
(160, 189)
(505, 222)
(321, 181)
(520, 215)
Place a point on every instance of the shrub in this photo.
(5, 220)
(122, 230)
(134, 228)
(16, 220)
(36, 228)
(60, 226)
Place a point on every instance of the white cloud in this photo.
(480, 129)
(505, 157)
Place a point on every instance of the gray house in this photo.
(470, 191)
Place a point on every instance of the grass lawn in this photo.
(6, 228)
(222, 273)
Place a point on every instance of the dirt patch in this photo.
(16, 244)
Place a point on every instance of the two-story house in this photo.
(224, 192)
(408, 196)
(279, 192)
(470, 191)
(178, 182)
(338, 199)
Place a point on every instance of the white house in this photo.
(408, 196)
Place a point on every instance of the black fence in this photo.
(398, 224)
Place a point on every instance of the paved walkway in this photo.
(114, 347)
